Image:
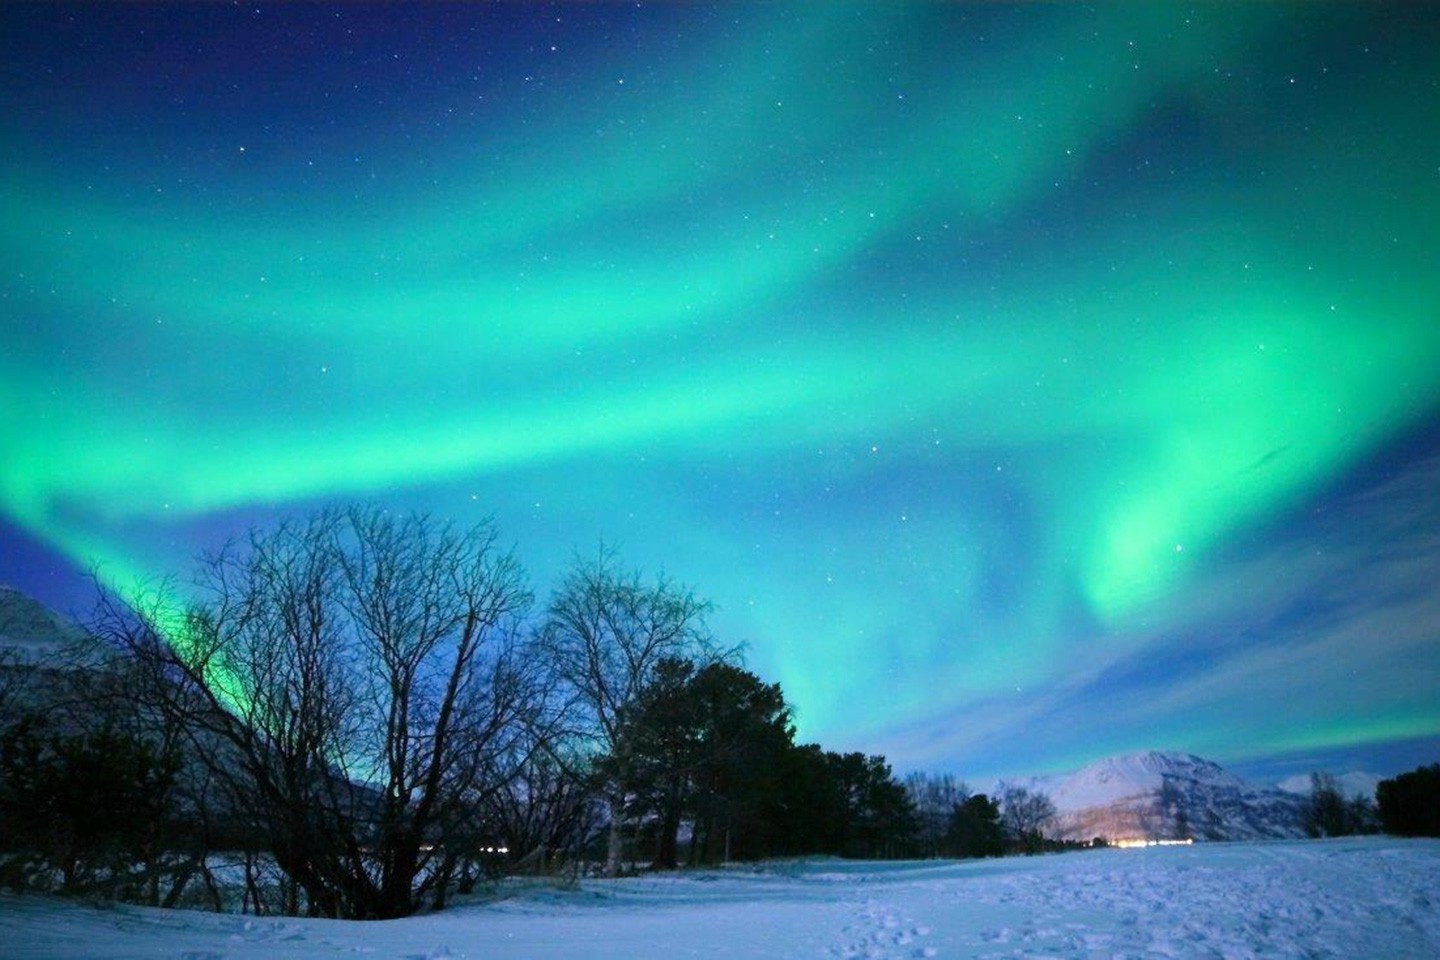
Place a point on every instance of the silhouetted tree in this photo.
(975, 829)
(810, 813)
(604, 636)
(879, 820)
(77, 720)
(743, 728)
(353, 684)
(1025, 814)
(89, 805)
(544, 818)
(1362, 814)
(707, 741)
(1325, 813)
(1410, 803)
(1328, 813)
(934, 798)
(660, 739)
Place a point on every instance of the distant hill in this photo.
(31, 630)
(1162, 796)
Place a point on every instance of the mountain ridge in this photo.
(31, 629)
(1170, 795)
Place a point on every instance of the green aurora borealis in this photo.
(1023, 384)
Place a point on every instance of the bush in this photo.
(975, 829)
(84, 807)
(1328, 814)
(1410, 803)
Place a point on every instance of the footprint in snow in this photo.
(877, 934)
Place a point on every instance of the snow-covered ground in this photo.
(1368, 898)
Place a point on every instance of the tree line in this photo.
(368, 710)
(1407, 805)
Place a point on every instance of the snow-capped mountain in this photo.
(1161, 796)
(1121, 777)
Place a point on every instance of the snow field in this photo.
(1367, 898)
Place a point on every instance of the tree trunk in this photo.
(615, 844)
(403, 862)
(667, 842)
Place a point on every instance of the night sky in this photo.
(1023, 385)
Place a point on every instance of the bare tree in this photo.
(353, 684)
(934, 797)
(605, 633)
(546, 817)
(1025, 814)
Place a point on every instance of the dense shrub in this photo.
(1410, 803)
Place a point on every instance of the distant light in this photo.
(1131, 844)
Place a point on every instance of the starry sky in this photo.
(1023, 384)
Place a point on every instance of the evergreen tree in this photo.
(975, 829)
(1409, 804)
(92, 806)
(811, 814)
(706, 740)
(658, 741)
(745, 730)
(879, 819)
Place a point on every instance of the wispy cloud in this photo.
(1321, 634)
